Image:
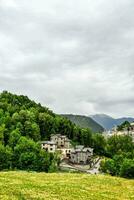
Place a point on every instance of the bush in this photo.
(108, 166)
(127, 168)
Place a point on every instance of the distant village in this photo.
(75, 155)
(126, 131)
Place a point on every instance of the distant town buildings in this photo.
(126, 131)
(77, 155)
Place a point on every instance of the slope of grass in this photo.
(64, 186)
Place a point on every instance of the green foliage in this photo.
(2, 129)
(5, 157)
(14, 138)
(120, 149)
(127, 168)
(99, 144)
(118, 166)
(119, 144)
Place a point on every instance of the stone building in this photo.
(77, 155)
(61, 140)
(81, 155)
(63, 145)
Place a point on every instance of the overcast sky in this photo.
(73, 56)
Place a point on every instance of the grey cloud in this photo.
(73, 56)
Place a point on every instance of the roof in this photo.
(80, 147)
(59, 135)
(48, 142)
(82, 150)
(88, 149)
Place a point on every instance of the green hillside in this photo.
(42, 186)
(85, 122)
(23, 124)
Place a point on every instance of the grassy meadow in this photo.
(64, 186)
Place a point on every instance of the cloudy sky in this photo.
(73, 56)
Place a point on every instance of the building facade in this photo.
(49, 146)
(77, 155)
(61, 140)
(81, 155)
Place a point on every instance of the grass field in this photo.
(64, 186)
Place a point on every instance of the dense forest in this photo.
(24, 123)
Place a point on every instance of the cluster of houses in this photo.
(77, 155)
(126, 131)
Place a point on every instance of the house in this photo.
(60, 143)
(77, 155)
(81, 155)
(63, 145)
(61, 140)
(49, 146)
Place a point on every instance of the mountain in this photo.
(104, 120)
(84, 122)
(108, 122)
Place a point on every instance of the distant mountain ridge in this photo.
(84, 122)
(108, 122)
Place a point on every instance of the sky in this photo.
(72, 56)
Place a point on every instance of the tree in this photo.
(5, 157)
(27, 161)
(99, 144)
(108, 166)
(119, 144)
(127, 168)
(32, 130)
(23, 146)
(2, 129)
(14, 138)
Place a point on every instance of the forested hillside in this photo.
(85, 122)
(20, 115)
(23, 124)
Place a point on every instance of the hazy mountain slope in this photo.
(85, 122)
(121, 120)
(104, 120)
(108, 122)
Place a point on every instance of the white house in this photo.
(49, 146)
